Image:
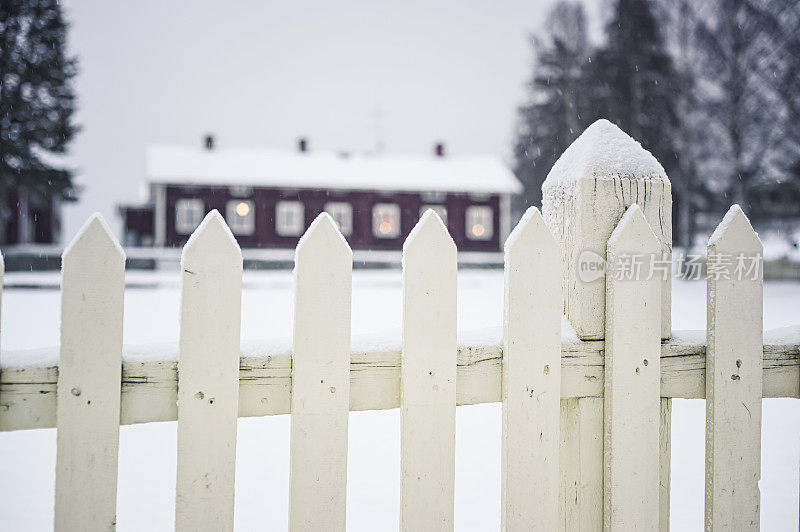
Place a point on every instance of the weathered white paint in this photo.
(581, 464)
(633, 374)
(149, 389)
(320, 379)
(90, 367)
(428, 396)
(733, 378)
(208, 384)
(531, 377)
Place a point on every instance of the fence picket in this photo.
(320, 379)
(665, 436)
(581, 464)
(208, 377)
(734, 375)
(531, 377)
(428, 378)
(89, 378)
(632, 377)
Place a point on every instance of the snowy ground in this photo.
(30, 319)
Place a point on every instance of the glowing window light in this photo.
(242, 209)
(386, 220)
(479, 222)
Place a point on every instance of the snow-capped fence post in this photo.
(428, 378)
(632, 377)
(734, 373)
(585, 195)
(320, 379)
(89, 379)
(208, 377)
(531, 377)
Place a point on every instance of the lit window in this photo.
(480, 222)
(342, 214)
(241, 216)
(289, 218)
(441, 210)
(386, 220)
(188, 215)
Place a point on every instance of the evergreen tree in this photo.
(36, 100)
(634, 82)
(557, 108)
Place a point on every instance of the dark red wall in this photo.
(265, 199)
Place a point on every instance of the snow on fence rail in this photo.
(586, 416)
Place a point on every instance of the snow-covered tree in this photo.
(737, 42)
(557, 108)
(634, 82)
(36, 99)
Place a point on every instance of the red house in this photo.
(269, 197)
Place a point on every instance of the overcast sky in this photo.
(346, 75)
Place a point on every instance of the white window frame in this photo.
(241, 225)
(342, 214)
(433, 196)
(379, 210)
(289, 218)
(441, 210)
(479, 215)
(240, 191)
(189, 213)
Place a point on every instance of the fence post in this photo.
(208, 377)
(585, 195)
(428, 378)
(531, 377)
(632, 377)
(320, 379)
(734, 360)
(89, 379)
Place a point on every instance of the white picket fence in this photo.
(622, 459)
(586, 423)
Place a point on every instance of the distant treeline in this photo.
(710, 87)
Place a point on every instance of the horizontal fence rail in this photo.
(149, 388)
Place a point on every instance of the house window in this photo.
(480, 222)
(441, 210)
(289, 218)
(241, 216)
(342, 214)
(386, 220)
(188, 215)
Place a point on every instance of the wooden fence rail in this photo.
(586, 420)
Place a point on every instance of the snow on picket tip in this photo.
(423, 222)
(729, 217)
(212, 217)
(603, 150)
(325, 218)
(95, 219)
(633, 211)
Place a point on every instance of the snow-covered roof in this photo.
(603, 150)
(321, 170)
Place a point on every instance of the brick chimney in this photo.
(438, 150)
(302, 145)
(209, 142)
